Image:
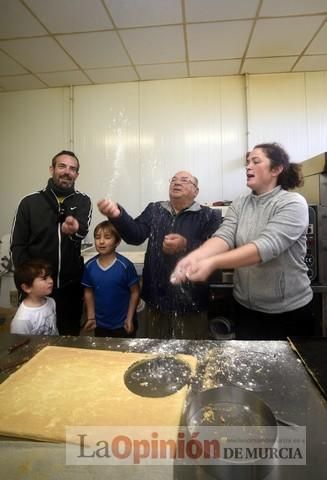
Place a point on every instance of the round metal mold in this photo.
(225, 407)
(229, 406)
(157, 377)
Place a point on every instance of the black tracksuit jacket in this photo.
(36, 233)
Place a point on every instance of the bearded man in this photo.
(50, 225)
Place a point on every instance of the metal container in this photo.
(247, 410)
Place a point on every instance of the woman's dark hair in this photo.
(27, 272)
(291, 176)
(107, 226)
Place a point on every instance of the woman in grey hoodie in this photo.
(263, 237)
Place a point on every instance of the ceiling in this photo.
(54, 43)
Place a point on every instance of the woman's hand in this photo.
(200, 271)
(179, 274)
(192, 269)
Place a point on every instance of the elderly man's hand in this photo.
(70, 226)
(173, 244)
(109, 208)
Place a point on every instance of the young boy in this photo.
(111, 287)
(36, 314)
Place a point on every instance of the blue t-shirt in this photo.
(111, 288)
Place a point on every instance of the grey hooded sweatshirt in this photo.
(276, 222)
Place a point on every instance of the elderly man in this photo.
(173, 229)
(50, 225)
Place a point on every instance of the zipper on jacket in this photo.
(59, 237)
(172, 224)
(59, 255)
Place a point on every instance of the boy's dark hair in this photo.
(28, 271)
(107, 226)
(64, 152)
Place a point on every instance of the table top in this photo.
(270, 369)
(313, 353)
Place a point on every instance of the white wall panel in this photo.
(34, 126)
(316, 98)
(182, 128)
(290, 109)
(233, 137)
(132, 137)
(277, 112)
(106, 132)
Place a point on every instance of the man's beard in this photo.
(64, 182)
(60, 189)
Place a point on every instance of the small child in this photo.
(36, 314)
(111, 284)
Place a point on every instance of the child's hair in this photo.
(27, 272)
(107, 227)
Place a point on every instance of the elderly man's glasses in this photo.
(182, 180)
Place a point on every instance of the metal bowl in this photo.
(225, 407)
